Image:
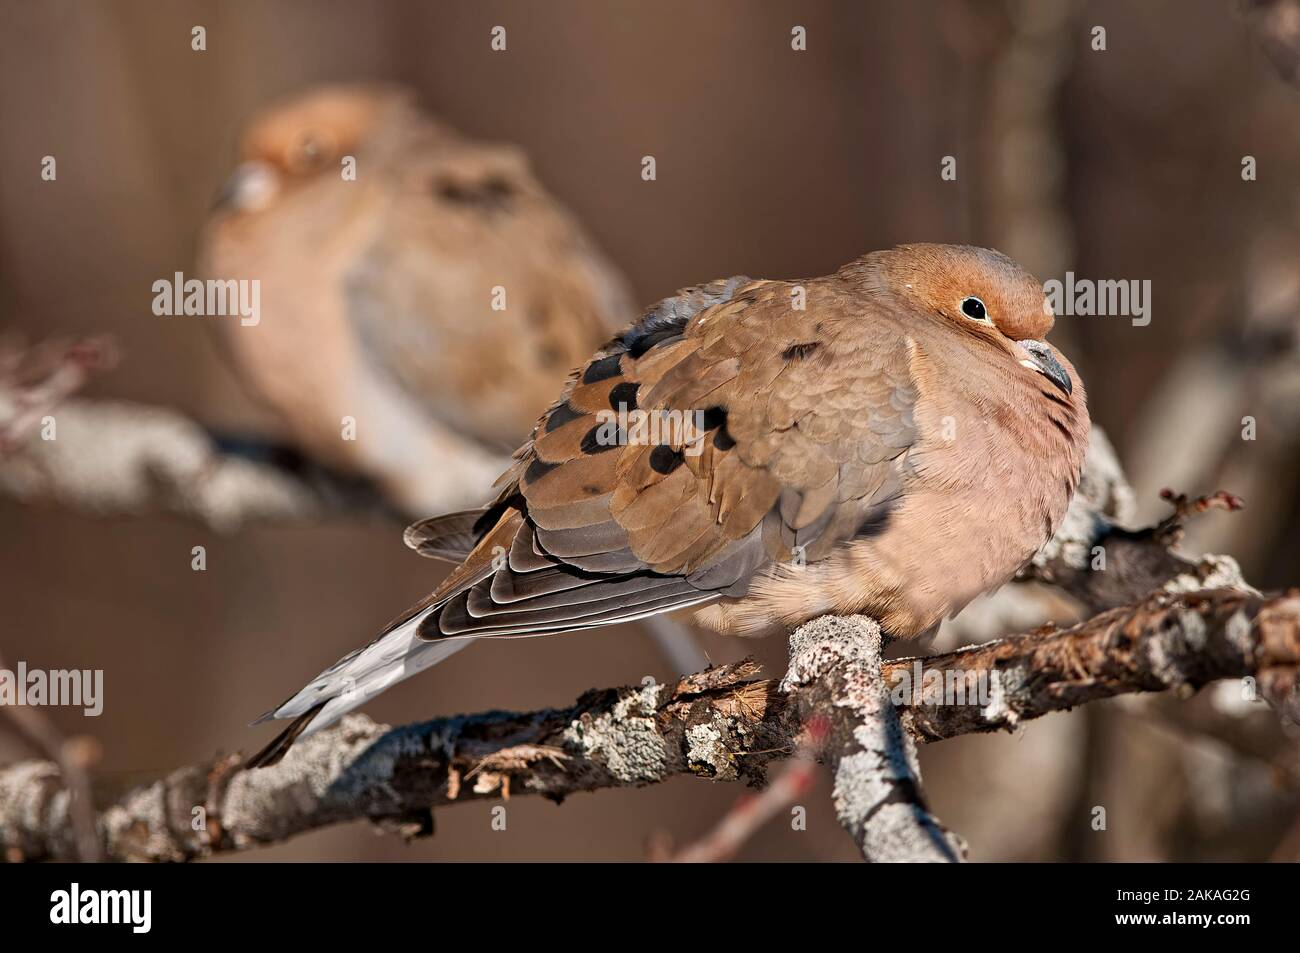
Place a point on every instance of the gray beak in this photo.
(250, 187)
(1042, 359)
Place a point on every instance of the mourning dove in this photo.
(413, 281)
(891, 440)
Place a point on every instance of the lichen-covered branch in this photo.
(835, 676)
(1170, 641)
(718, 724)
(721, 724)
(71, 759)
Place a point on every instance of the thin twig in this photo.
(752, 812)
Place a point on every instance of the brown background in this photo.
(770, 163)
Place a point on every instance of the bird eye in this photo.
(310, 152)
(974, 308)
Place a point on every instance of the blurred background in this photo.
(1122, 163)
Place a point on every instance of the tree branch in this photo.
(72, 758)
(721, 724)
(119, 457)
(835, 675)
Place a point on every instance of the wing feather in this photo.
(699, 448)
(800, 423)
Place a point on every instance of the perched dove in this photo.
(891, 440)
(419, 283)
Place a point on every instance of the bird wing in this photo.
(479, 293)
(805, 419)
(751, 433)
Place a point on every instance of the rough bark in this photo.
(835, 675)
(722, 724)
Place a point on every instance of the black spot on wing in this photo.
(623, 396)
(799, 351)
(603, 369)
(599, 439)
(538, 469)
(665, 459)
(560, 416)
(648, 341)
(715, 418)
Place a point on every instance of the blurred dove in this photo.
(891, 440)
(440, 293)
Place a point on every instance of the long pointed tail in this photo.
(352, 681)
(280, 744)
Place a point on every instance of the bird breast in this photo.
(985, 486)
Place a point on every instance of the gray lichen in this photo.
(625, 741)
(818, 645)
(706, 746)
(877, 779)
(1213, 571)
(1004, 684)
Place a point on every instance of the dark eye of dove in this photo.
(974, 309)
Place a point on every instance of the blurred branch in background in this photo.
(113, 457)
(1227, 392)
(1023, 205)
(33, 381)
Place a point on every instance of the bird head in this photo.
(982, 293)
(293, 142)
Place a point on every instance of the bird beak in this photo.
(1041, 359)
(250, 187)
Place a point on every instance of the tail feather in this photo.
(400, 652)
(450, 538)
(281, 743)
(353, 680)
